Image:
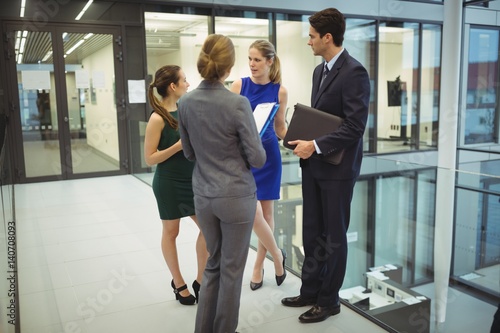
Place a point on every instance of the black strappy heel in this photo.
(196, 289)
(188, 300)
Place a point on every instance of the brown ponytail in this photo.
(163, 78)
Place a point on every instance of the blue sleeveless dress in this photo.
(267, 178)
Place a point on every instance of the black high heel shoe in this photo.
(188, 300)
(257, 285)
(281, 278)
(196, 289)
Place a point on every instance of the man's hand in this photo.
(304, 149)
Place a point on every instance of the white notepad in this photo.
(264, 113)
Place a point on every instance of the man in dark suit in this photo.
(343, 89)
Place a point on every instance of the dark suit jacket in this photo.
(345, 93)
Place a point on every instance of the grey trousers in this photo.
(227, 226)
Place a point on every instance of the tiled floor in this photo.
(89, 261)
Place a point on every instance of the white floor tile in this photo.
(90, 261)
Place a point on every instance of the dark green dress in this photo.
(172, 180)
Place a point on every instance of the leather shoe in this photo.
(319, 313)
(297, 301)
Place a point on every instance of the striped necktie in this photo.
(325, 73)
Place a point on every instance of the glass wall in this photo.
(360, 41)
(481, 115)
(430, 68)
(477, 238)
(476, 261)
(38, 107)
(477, 221)
(408, 86)
(243, 27)
(175, 39)
(398, 86)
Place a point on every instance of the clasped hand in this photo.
(303, 149)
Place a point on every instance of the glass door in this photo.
(68, 124)
(38, 107)
(90, 93)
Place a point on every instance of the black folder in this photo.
(308, 123)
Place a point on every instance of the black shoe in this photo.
(319, 313)
(280, 279)
(188, 300)
(257, 285)
(196, 289)
(297, 301)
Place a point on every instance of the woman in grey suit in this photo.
(218, 132)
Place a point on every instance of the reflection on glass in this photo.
(243, 31)
(92, 115)
(477, 240)
(391, 236)
(397, 82)
(175, 39)
(37, 102)
(429, 90)
(297, 59)
(482, 87)
(359, 40)
(359, 241)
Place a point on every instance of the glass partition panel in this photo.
(171, 39)
(37, 103)
(175, 39)
(243, 31)
(360, 41)
(398, 84)
(424, 227)
(480, 122)
(478, 167)
(92, 113)
(394, 220)
(477, 238)
(292, 35)
(391, 236)
(429, 86)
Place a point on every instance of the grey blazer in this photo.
(218, 132)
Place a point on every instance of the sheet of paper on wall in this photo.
(136, 91)
(99, 79)
(34, 80)
(82, 79)
(264, 113)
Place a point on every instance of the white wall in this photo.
(297, 62)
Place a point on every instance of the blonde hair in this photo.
(268, 51)
(216, 57)
(163, 78)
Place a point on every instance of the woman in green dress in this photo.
(172, 180)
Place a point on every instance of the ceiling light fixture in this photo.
(84, 10)
(75, 46)
(23, 6)
(47, 56)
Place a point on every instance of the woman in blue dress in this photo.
(263, 86)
